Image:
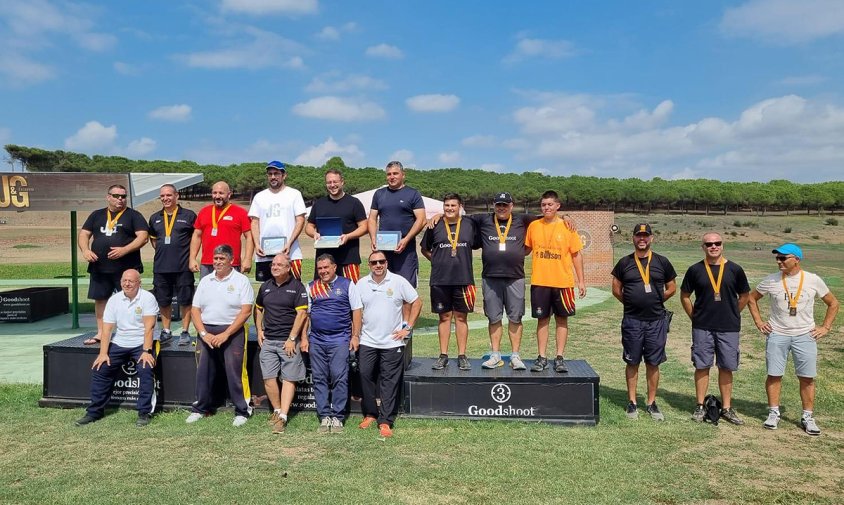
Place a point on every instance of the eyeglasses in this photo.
(710, 244)
(119, 196)
(377, 262)
(782, 259)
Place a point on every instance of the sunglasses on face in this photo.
(377, 262)
(119, 196)
(710, 244)
(782, 259)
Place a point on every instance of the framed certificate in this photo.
(330, 229)
(273, 245)
(387, 240)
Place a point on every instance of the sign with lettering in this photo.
(57, 190)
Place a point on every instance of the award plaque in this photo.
(273, 245)
(387, 240)
(330, 229)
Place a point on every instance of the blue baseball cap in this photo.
(276, 165)
(792, 249)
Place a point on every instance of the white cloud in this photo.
(385, 51)
(20, 70)
(334, 82)
(335, 108)
(260, 150)
(540, 48)
(328, 33)
(268, 7)
(141, 147)
(802, 80)
(92, 137)
(175, 113)
(404, 155)
(432, 103)
(449, 158)
(493, 167)
(123, 68)
(783, 22)
(255, 49)
(317, 155)
(479, 141)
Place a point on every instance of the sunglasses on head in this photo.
(710, 244)
(377, 262)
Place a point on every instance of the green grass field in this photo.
(45, 458)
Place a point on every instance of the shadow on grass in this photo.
(683, 401)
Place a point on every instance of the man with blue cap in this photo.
(791, 327)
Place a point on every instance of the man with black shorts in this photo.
(642, 282)
(555, 250)
(220, 223)
(171, 230)
(791, 328)
(398, 208)
(277, 211)
(111, 241)
(280, 315)
(448, 246)
(721, 292)
(353, 224)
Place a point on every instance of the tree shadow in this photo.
(684, 401)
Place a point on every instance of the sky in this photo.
(746, 90)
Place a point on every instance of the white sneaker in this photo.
(239, 421)
(194, 417)
(810, 426)
(516, 362)
(494, 361)
(773, 420)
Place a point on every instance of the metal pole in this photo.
(74, 273)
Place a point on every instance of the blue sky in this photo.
(731, 90)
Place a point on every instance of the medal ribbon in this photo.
(214, 218)
(792, 301)
(503, 238)
(716, 286)
(646, 272)
(111, 224)
(168, 226)
(456, 232)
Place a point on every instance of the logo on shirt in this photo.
(389, 291)
(139, 310)
(230, 289)
(268, 290)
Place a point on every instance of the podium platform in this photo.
(502, 393)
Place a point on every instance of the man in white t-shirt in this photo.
(383, 295)
(132, 312)
(791, 327)
(277, 212)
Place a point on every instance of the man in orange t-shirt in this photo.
(555, 250)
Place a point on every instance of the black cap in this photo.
(642, 228)
(503, 198)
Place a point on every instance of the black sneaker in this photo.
(731, 416)
(184, 339)
(164, 336)
(632, 413)
(463, 362)
(86, 420)
(540, 364)
(143, 420)
(440, 363)
(560, 365)
(656, 415)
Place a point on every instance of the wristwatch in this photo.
(148, 351)
(203, 333)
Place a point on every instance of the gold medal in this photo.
(215, 220)
(645, 272)
(502, 237)
(792, 300)
(168, 225)
(716, 285)
(111, 224)
(456, 233)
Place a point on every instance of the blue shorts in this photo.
(643, 339)
(804, 350)
(707, 345)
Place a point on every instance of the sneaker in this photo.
(324, 425)
(699, 414)
(463, 363)
(440, 363)
(274, 417)
(184, 339)
(810, 426)
(773, 420)
(656, 415)
(516, 362)
(731, 416)
(560, 365)
(336, 425)
(86, 419)
(632, 413)
(239, 421)
(384, 430)
(367, 422)
(143, 420)
(165, 336)
(279, 425)
(494, 361)
(194, 417)
(540, 364)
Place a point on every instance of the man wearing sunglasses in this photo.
(721, 292)
(111, 241)
(791, 327)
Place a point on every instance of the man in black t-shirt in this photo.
(110, 241)
(281, 310)
(448, 246)
(721, 291)
(170, 232)
(353, 224)
(642, 281)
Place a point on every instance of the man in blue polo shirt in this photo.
(335, 318)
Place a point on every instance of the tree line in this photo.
(478, 186)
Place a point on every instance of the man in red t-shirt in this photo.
(221, 223)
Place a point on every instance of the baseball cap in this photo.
(789, 249)
(276, 165)
(642, 228)
(503, 198)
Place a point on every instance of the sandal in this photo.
(91, 341)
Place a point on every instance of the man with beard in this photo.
(222, 222)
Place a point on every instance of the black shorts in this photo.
(263, 272)
(102, 285)
(178, 284)
(643, 339)
(453, 298)
(545, 300)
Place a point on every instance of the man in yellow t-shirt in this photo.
(555, 250)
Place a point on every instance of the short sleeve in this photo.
(354, 297)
